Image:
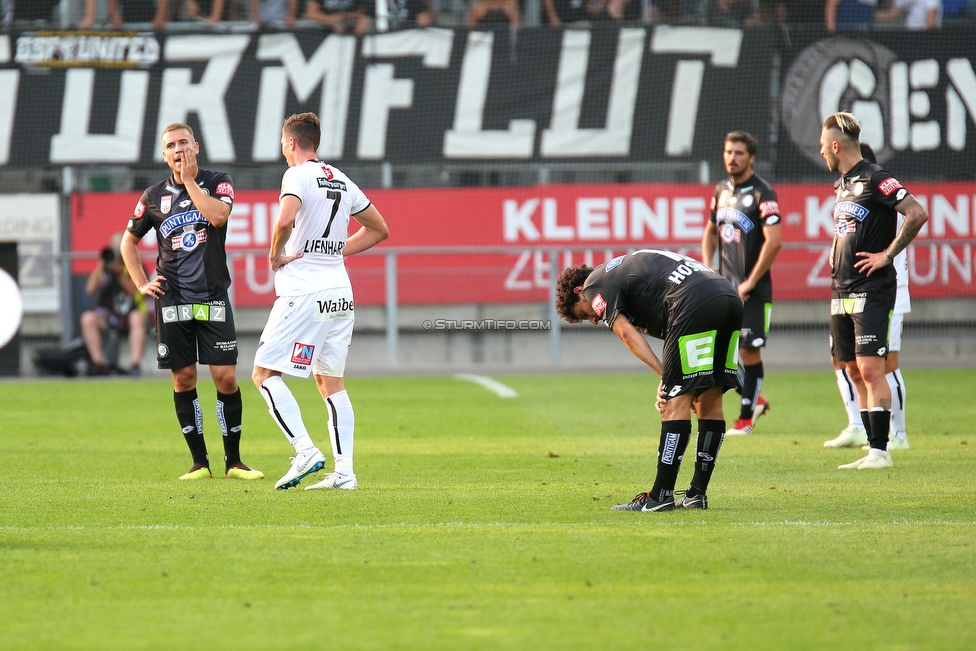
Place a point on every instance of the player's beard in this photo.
(833, 163)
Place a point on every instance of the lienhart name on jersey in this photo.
(735, 217)
(846, 209)
(323, 246)
(170, 224)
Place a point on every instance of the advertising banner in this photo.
(436, 233)
(913, 92)
(415, 96)
(33, 221)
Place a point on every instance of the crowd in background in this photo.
(359, 16)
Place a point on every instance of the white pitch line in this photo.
(496, 387)
(476, 525)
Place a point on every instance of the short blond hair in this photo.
(846, 123)
(176, 126)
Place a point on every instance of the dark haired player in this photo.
(194, 319)
(866, 241)
(698, 315)
(745, 227)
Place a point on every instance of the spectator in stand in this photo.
(494, 12)
(420, 12)
(560, 12)
(918, 15)
(214, 11)
(274, 11)
(337, 13)
(729, 13)
(29, 10)
(849, 15)
(128, 11)
(118, 306)
(800, 12)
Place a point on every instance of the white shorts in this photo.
(308, 332)
(903, 300)
(894, 332)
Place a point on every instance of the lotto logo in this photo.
(225, 189)
(302, 353)
(888, 186)
(599, 305)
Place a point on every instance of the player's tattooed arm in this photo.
(915, 218)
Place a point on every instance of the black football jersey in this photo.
(740, 212)
(649, 286)
(865, 219)
(191, 250)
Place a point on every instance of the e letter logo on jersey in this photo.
(165, 203)
(302, 353)
(599, 305)
(888, 186)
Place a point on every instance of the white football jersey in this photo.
(329, 198)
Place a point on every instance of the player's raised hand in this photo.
(189, 169)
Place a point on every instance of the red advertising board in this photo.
(581, 223)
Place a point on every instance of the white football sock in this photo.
(342, 425)
(848, 394)
(285, 411)
(898, 395)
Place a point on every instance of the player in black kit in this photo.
(862, 278)
(698, 315)
(194, 319)
(745, 227)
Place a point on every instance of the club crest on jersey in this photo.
(844, 226)
(857, 189)
(225, 189)
(188, 240)
(302, 353)
(730, 233)
(747, 200)
(599, 305)
(165, 203)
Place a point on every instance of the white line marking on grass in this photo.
(496, 387)
(471, 525)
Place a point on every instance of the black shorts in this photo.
(187, 333)
(755, 323)
(859, 323)
(700, 346)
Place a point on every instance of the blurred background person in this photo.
(118, 306)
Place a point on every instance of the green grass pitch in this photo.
(483, 523)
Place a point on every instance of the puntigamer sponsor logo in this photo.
(87, 50)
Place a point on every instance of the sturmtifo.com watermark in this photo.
(487, 324)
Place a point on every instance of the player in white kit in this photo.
(310, 325)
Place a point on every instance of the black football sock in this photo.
(751, 386)
(710, 436)
(191, 421)
(674, 440)
(229, 414)
(878, 434)
(867, 422)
